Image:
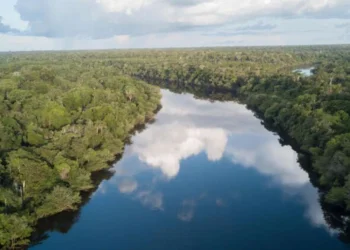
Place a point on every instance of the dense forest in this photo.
(61, 120)
(65, 115)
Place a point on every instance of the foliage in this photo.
(60, 120)
(14, 231)
(60, 199)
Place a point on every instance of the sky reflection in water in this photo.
(203, 176)
(186, 127)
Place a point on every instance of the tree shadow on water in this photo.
(64, 221)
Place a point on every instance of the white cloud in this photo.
(152, 200)
(219, 11)
(107, 18)
(189, 127)
(108, 24)
(230, 116)
(127, 185)
(10, 16)
(125, 6)
(271, 159)
(280, 163)
(177, 142)
(208, 12)
(122, 39)
(314, 211)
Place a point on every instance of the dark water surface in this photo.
(204, 175)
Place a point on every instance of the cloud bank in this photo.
(108, 18)
(4, 28)
(102, 24)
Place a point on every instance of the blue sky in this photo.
(102, 24)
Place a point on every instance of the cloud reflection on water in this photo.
(177, 142)
(270, 159)
(186, 127)
(127, 185)
(153, 200)
(186, 212)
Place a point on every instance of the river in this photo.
(305, 71)
(203, 175)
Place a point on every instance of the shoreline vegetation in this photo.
(311, 112)
(65, 115)
(61, 121)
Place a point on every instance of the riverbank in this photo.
(59, 124)
(201, 176)
(313, 110)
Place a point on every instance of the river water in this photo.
(204, 175)
(305, 71)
